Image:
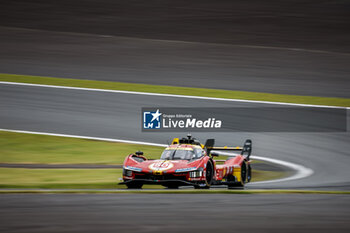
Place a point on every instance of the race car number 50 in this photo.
(161, 166)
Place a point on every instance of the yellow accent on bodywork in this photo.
(158, 172)
(237, 173)
(175, 141)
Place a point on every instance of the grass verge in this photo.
(60, 178)
(42, 149)
(227, 94)
(11, 178)
(31, 148)
(22, 178)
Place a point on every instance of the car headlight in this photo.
(196, 174)
(127, 172)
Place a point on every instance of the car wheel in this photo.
(209, 174)
(249, 173)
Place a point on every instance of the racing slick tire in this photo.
(245, 177)
(249, 173)
(134, 186)
(209, 174)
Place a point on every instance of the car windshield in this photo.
(178, 155)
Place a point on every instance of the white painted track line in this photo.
(85, 137)
(169, 95)
(301, 171)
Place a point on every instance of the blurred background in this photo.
(298, 49)
(289, 47)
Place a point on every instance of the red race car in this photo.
(187, 162)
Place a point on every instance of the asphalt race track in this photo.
(174, 213)
(289, 47)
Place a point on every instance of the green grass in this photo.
(60, 178)
(63, 178)
(42, 149)
(227, 94)
(258, 175)
(79, 178)
(31, 148)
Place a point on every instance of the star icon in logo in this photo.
(156, 115)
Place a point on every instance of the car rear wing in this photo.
(245, 150)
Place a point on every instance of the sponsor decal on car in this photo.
(186, 169)
(136, 169)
